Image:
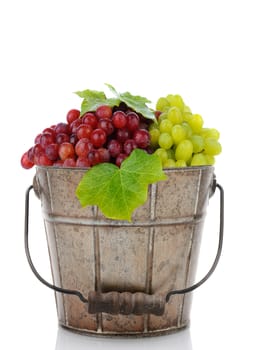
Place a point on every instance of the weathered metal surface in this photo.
(154, 254)
(125, 303)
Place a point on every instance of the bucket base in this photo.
(112, 334)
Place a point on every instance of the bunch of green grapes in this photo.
(179, 137)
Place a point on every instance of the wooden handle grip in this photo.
(125, 303)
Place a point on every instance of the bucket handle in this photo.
(125, 303)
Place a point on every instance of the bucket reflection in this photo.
(67, 340)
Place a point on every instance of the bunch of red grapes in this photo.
(109, 134)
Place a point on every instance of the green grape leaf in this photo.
(91, 104)
(93, 94)
(112, 89)
(137, 103)
(119, 191)
(92, 99)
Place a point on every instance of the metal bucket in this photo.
(119, 278)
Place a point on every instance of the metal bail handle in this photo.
(34, 270)
(125, 303)
(218, 254)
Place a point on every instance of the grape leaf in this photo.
(92, 104)
(92, 99)
(91, 94)
(119, 191)
(137, 103)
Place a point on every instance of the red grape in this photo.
(62, 128)
(82, 147)
(132, 121)
(73, 139)
(98, 137)
(122, 135)
(142, 138)
(114, 148)
(62, 137)
(104, 111)
(119, 119)
(25, 162)
(66, 150)
(75, 124)
(52, 151)
(69, 162)
(49, 131)
(46, 139)
(93, 157)
(157, 114)
(43, 160)
(84, 131)
(106, 135)
(104, 155)
(37, 138)
(120, 158)
(129, 146)
(82, 163)
(90, 119)
(38, 150)
(72, 115)
(30, 154)
(106, 125)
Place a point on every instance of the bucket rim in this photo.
(170, 170)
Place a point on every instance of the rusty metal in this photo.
(141, 263)
(125, 303)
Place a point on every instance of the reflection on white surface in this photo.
(67, 340)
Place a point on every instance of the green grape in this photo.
(187, 109)
(179, 137)
(187, 129)
(184, 150)
(169, 163)
(198, 159)
(170, 153)
(198, 143)
(154, 137)
(186, 116)
(163, 116)
(165, 140)
(162, 103)
(210, 133)
(209, 159)
(180, 163)
(176, 101)
(161, 152)
(153, 125)
(203, 132)
(178, 133)
(175, 115)
(196, 123)
(165, 126)
(212, 147)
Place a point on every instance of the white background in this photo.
(210, 52)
